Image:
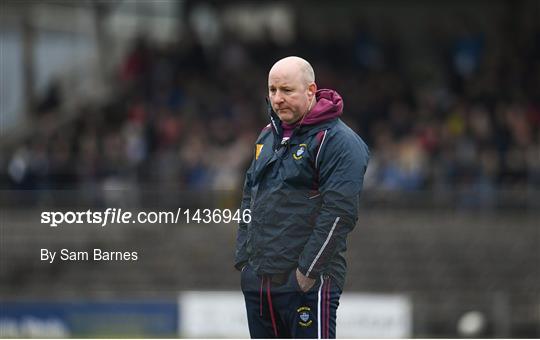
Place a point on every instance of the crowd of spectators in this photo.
(466, 116)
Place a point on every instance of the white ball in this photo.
(471, 324)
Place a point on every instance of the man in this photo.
(303, 189)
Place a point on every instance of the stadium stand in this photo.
(450, 208)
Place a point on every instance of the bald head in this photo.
(295, 67)
(291, 88)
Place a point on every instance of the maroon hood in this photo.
(329, 105)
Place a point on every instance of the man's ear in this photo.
(312, 88)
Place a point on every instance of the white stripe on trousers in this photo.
(319, 307)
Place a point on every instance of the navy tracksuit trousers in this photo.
(279, 309)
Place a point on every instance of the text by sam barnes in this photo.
(95, 255)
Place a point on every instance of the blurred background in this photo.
(154, 105)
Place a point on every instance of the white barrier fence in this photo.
(205, 314)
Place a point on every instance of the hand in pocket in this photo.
(304, 282)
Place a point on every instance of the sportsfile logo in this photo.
(110, 215)
(120, 216)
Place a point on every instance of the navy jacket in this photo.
(303, 195)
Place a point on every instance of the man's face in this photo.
(289, 95)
